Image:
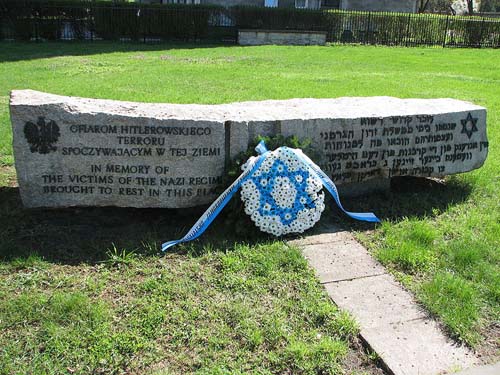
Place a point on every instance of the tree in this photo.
(434, 6)
(422, 5)
(470, 6)
(489, 6)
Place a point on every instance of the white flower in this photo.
(283, 195)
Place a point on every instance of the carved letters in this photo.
(85, 152)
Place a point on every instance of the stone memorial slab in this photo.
(89, 152)
(85, 152)
(360, 139)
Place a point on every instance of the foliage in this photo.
(47, 20)
(43, 20)
(456, 301)
(411, 250)
(137, 21)
(246, 17)
(490, 6)
(435, 6)
(117, 257)
(234, 310)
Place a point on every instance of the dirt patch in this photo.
(8, 176)
(360, 360)
(489, 350)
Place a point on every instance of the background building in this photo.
(409, 6)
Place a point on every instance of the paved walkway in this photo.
(493, 369)
(392, 324)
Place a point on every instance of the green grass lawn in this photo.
(78, 304)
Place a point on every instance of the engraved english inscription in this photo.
(154, 163)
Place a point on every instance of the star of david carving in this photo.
(469, 125)
(266, 183)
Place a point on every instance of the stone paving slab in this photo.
(349, 260)
(375, 301)
(493, 369)
(320, 238)
(392, 323)
(417, 347)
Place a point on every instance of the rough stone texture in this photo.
(261, 37)
(392, 324)
(177, 170)
(75, 151)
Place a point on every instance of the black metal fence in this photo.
(413, 30)
(88, 20)
(37, 20)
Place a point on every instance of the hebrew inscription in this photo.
(86, 152)
(420, 145)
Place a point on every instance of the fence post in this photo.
(367, 31)
(408, 30)
(446, 30)
(481, 32)
(89, 24)
(37, 26)
(36, 21)
(141, 24)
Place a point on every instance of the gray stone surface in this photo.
(277, 37)
(392, 324)
(74, 151)
(103, 153)
(325, 233)
(493, 369)
(344, 259)
(375, 301)
(417, 347)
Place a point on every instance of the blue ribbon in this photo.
(330, 186)
(216, 207)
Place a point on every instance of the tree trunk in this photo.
(423, 5)
(470, 6)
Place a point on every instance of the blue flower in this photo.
(266, 182)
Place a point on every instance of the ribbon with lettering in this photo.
(281, 191)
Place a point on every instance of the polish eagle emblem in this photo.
(42, 135)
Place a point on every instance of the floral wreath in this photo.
(282, 194)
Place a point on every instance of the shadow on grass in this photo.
(408, 197)
(85, 234)
(19, 51)
(76, 235)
